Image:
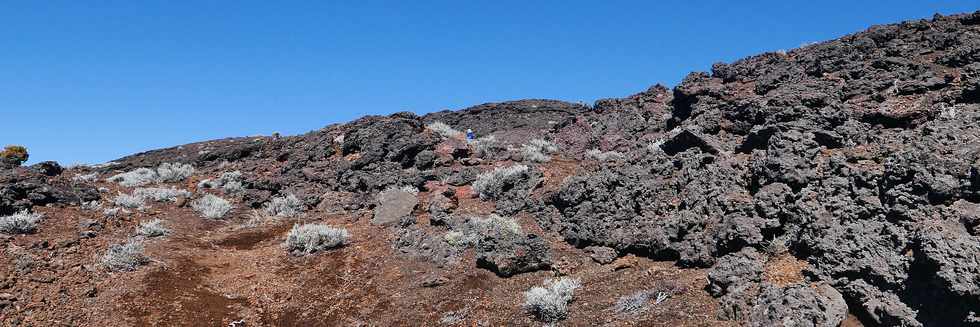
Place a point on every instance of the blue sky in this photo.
(91, 81)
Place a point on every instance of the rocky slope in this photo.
(838, 183)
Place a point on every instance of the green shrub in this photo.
(14, 155)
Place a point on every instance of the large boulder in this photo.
(22, 188)
(736, 272)
(508, 254)
(799, 305)
(393, 205)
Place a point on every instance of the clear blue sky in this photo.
(91, 81)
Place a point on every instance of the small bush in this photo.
(490, 185)
(233, 187)
(24, 261)
(598, 155)
(110, 212)
(550, 303)
(14, 155)
(128, 201)
(23, 222)
(166, 172)
(124, 257)
(91, 205)
(284, 206)
(160, 194)
(211, 206)
(633, 303)
(174, 172)
(546, 147)
(498, 223)
(256, 218)
(537, 150)
(444, 130)
(454, 317)
(475, 228)
(138, 177)
(229, 182)
(85, 177)
(460, 239)
(487, 147)
(312, 238)
(152, 228)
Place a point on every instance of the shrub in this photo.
(233, 187)
(444, 130)
(23, 222)
(124, 257)
(284, 206)
(550, 303)
(604, 156)
(229, 182)
(256, 218)
(498, 223)
(14, 155)
(487, 147)
(211, 206)
(454, 317)
(85, 177)
(312, 238)
(459, 239)
(152, 228)
(537, 150)
(128, 201)
(475, 228)
(110, 212)
(492, 184)
(91, 205)
(166, 172)
(160, 194)
(174, 172)
(24, 261)
(633, 303)
(138, 177)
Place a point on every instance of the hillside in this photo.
(834, 184)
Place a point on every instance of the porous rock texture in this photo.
(860, 156)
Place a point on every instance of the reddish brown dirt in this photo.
(213, 273)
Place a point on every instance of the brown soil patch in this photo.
(249, 239)
(177, 295)
(784, 270)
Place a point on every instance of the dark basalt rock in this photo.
(736, 272)
(22, 188)
(508, 254)
(799, 305)
(48, 168)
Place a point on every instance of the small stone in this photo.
(435, 282)
(43, 279)
(67, 243)
(90, 224)
(88, 234)
(625, 263)
(180, 201)
(601, 254)
(471, 161)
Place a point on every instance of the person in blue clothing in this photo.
(470, 136)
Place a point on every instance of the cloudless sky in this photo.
(91, 81)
